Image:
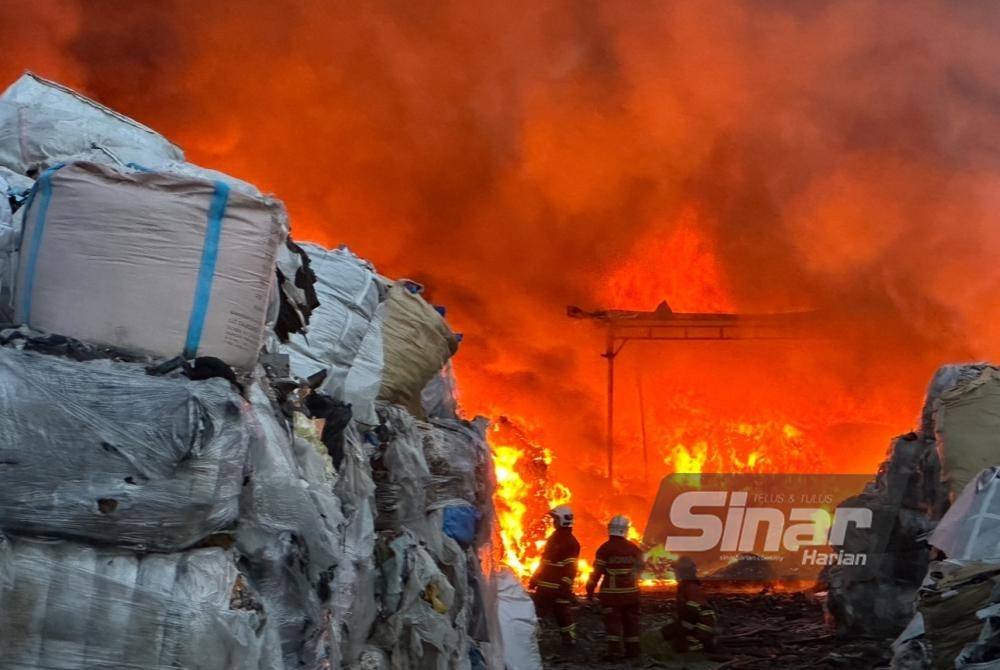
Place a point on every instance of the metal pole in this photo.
(642, 427)
(610, 355)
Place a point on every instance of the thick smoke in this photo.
(519, 157)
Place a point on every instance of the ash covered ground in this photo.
(757, 632)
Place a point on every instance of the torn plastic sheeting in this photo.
(416, 598)
(349, 295)
(290, 532)
(104, 452)
(970, 529)
(296, 291)
(42, 120)
(151, 262)
(518, 623)
(69, 606)
(417, 343)
(968, 429)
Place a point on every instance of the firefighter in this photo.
(617, 567)
(553, 581)
(692, 628)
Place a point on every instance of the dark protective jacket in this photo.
(557, 570)
(693, 627)
(617, 568)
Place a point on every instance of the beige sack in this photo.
(968, 429)
(416, 344)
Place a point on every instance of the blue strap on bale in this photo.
(44, 184)
(206, 273)
(460, 523)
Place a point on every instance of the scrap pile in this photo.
(218, 448)
(935, 543)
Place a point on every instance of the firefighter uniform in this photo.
(692, 628)
(553, 581)
(617, 568)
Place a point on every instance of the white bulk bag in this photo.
(155, 263)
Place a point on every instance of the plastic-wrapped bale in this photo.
(416, 602)
(462, 483)
(353, 600)
(401, 475)
(65, 606)
(349, 295)
(150, 262)
(416, 345)
(968, 429)
(878, 596)
(42, 120)
(101, 451)
(289, 534)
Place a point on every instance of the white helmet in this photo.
(618, 526)
(562, 516)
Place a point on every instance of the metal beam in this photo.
(664, 325)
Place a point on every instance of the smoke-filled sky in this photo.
(521, 156)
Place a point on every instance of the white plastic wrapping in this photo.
(349, 295)
(101, 451)
(150, 262)
(65, 606)
(41, 120)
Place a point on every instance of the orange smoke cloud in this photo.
(520, 157)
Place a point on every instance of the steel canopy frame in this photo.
(665, 325)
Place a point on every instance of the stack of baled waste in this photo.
(934, 548)
(417, 483)
(220, 449)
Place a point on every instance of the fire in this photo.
(568, 157)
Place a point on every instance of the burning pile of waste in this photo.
(221, 449)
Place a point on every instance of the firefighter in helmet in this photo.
(692, 628)
(553, 581)
(617, 568)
